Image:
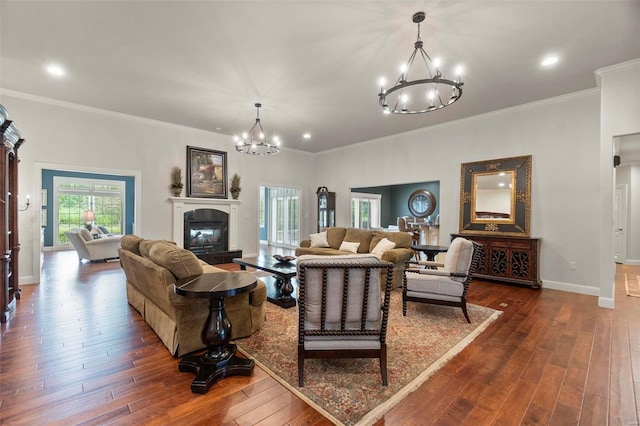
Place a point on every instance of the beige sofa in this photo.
(368, 240)
(152, 267)
(90, 248)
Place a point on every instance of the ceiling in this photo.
(314, 65)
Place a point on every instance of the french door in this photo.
(284, 217)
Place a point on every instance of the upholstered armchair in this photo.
(90, 248)
(341, 310)
(442, 283)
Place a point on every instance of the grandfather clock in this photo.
(9, 242)
(326, 208)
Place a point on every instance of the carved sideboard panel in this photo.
(509, 259)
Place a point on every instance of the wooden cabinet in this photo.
(9, 242)
(508, 259)
(326, 208)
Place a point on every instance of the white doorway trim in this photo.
(620, 223)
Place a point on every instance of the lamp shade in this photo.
(88, 215)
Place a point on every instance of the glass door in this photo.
(283, 216)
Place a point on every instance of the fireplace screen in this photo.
(205, 237)
(206, 231)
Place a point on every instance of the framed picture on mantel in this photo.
(206, 173)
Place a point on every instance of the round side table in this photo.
(220, 360)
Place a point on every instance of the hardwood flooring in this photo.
(74, 352)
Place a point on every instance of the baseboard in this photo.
(606, 302)
(571, 288)
(631, 262)
(28, 279)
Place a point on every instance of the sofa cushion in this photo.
(349, 246)
(145, 246)
(402, 239)
(131, 243)
(382, 247)
(182, 263)
(362, 236)
(335, 236)
(85, 234)
(319, 239)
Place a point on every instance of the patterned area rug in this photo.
(632, 284)
(350, 391)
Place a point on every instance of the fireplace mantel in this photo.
(185, 204)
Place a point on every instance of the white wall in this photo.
(562, 135)
(633, 212)
(620, 115)
(77, 137)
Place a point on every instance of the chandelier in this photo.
(255, 142)
(428, 92)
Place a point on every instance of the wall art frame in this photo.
(206, 173)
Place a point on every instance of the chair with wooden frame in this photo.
(341, 310)
(403, 226)
(445, 286)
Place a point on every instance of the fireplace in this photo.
(216, 220)
(206, 231)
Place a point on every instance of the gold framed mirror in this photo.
(495, 197)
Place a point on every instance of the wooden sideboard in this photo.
(508, 259)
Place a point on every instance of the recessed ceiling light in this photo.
(307, 136)
(218, 128)
(55, 70)
(549, 61)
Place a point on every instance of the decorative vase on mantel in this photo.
(235, 193)
(177, 190)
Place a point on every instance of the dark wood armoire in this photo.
(9, 242)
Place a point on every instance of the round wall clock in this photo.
(422, 203)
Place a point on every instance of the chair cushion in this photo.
(180, 262)
(362, 236)
(313, 293)
(458, 259)
(433, 284)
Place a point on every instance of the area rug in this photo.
(350, 391)
(632, 284)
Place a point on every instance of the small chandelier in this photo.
(255, 142)
(406, 96)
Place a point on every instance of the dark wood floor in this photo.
(74, 352)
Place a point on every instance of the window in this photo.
(72, 196)
(365, 210)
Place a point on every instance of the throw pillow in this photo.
(319, 239)
(103, 230)
(383, 246)
(349, 246)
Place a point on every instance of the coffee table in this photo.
(220, 360)
(280, 291)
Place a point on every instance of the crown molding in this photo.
(616, 68)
